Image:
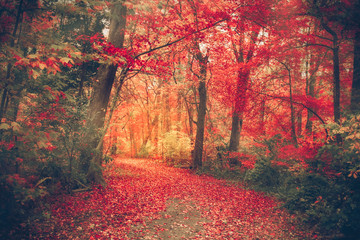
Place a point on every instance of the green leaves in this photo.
(4, 126)
(177, 147)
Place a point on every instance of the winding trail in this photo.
(147, 200)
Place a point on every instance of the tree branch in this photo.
(301, 104)
(179, 39)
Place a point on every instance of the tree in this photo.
(329, 13)
(201, 108)
(243, 58)
(14, 21)
(105, 79)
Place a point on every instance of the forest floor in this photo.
(145, 199)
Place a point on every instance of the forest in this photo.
(99, 98)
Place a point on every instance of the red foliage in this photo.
(247, 160)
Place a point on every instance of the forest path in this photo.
(147, 200)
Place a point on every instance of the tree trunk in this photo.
(179, 112)
(200, 124)
(5, 94)
(105, 79)
(190, 118)
(336, 89)
(237, 117)
(292, 111)
(311, 93)
(355, 91)
(236, 125)
(241, 89)
(2, 104)
(336, 72)
(101, 96)
(166, 113)
(262, 117)
(133, 147)
(149, 132)
(299, 122)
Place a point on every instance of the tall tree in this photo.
(201, 108)
(334, 18)
(104, 83)
(354, 25)
(243, 59)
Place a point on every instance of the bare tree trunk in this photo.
(236, 125)
(200, 124)
(105, 76)
(237, 117)
(190, 119)
(293, 128)
(241, 89)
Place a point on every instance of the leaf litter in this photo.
(145, 199)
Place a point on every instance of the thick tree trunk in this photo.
(105, 79)
(236, 125)
(237, 117)
(241, 89)
(355, 91)
(200, 124)
(190, 118)
(100, 100)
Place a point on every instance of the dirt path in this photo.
(147, 200)
(179, 221)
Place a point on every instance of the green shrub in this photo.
(49, 144)
(146, 150)
(264, 174)
(324, 202)
(176, 148)
(327, 194)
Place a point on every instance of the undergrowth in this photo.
(324, 193)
